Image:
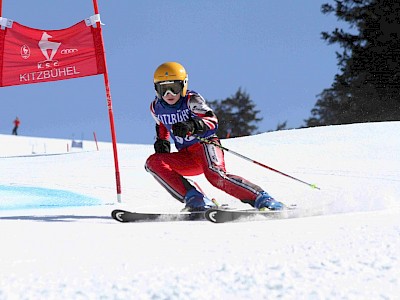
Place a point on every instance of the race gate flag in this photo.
(31, 55)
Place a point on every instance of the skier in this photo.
(16, 125)
(183, 114)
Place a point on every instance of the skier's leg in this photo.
(214, 169)
(169, 168)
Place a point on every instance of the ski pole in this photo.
(204, 140)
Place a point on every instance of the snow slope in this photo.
(58, 241)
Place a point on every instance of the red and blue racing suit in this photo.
(193, 157)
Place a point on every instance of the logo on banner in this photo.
(25, 52)
(48, 68)
(68, 51)
(49, 50)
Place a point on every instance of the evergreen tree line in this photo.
(367, 89)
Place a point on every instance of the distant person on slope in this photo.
(16, 125)
(183, 115)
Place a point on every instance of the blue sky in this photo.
(272, 49)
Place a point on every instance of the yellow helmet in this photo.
(171, 71)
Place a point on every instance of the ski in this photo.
(214, 215)
(125, 216)
(223, 215)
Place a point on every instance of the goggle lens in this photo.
(175, 87)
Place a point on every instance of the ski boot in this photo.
(196, 201)
(265, 201)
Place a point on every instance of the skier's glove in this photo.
(189, 127)
(184, 128)
(162, 146)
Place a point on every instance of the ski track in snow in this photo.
(58, 241)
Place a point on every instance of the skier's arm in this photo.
(202, 118)
(203, 114)
(162, 143)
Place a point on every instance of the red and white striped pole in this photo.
(110, 110)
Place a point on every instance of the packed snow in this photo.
(58, 240)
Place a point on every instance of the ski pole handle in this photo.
(207, 141)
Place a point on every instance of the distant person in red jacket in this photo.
(16, 125)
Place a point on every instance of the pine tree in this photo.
(236, 114)
(368, 87)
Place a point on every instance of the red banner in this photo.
(29, 55)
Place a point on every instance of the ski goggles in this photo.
(173, 87)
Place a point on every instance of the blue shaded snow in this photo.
(17, 197)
